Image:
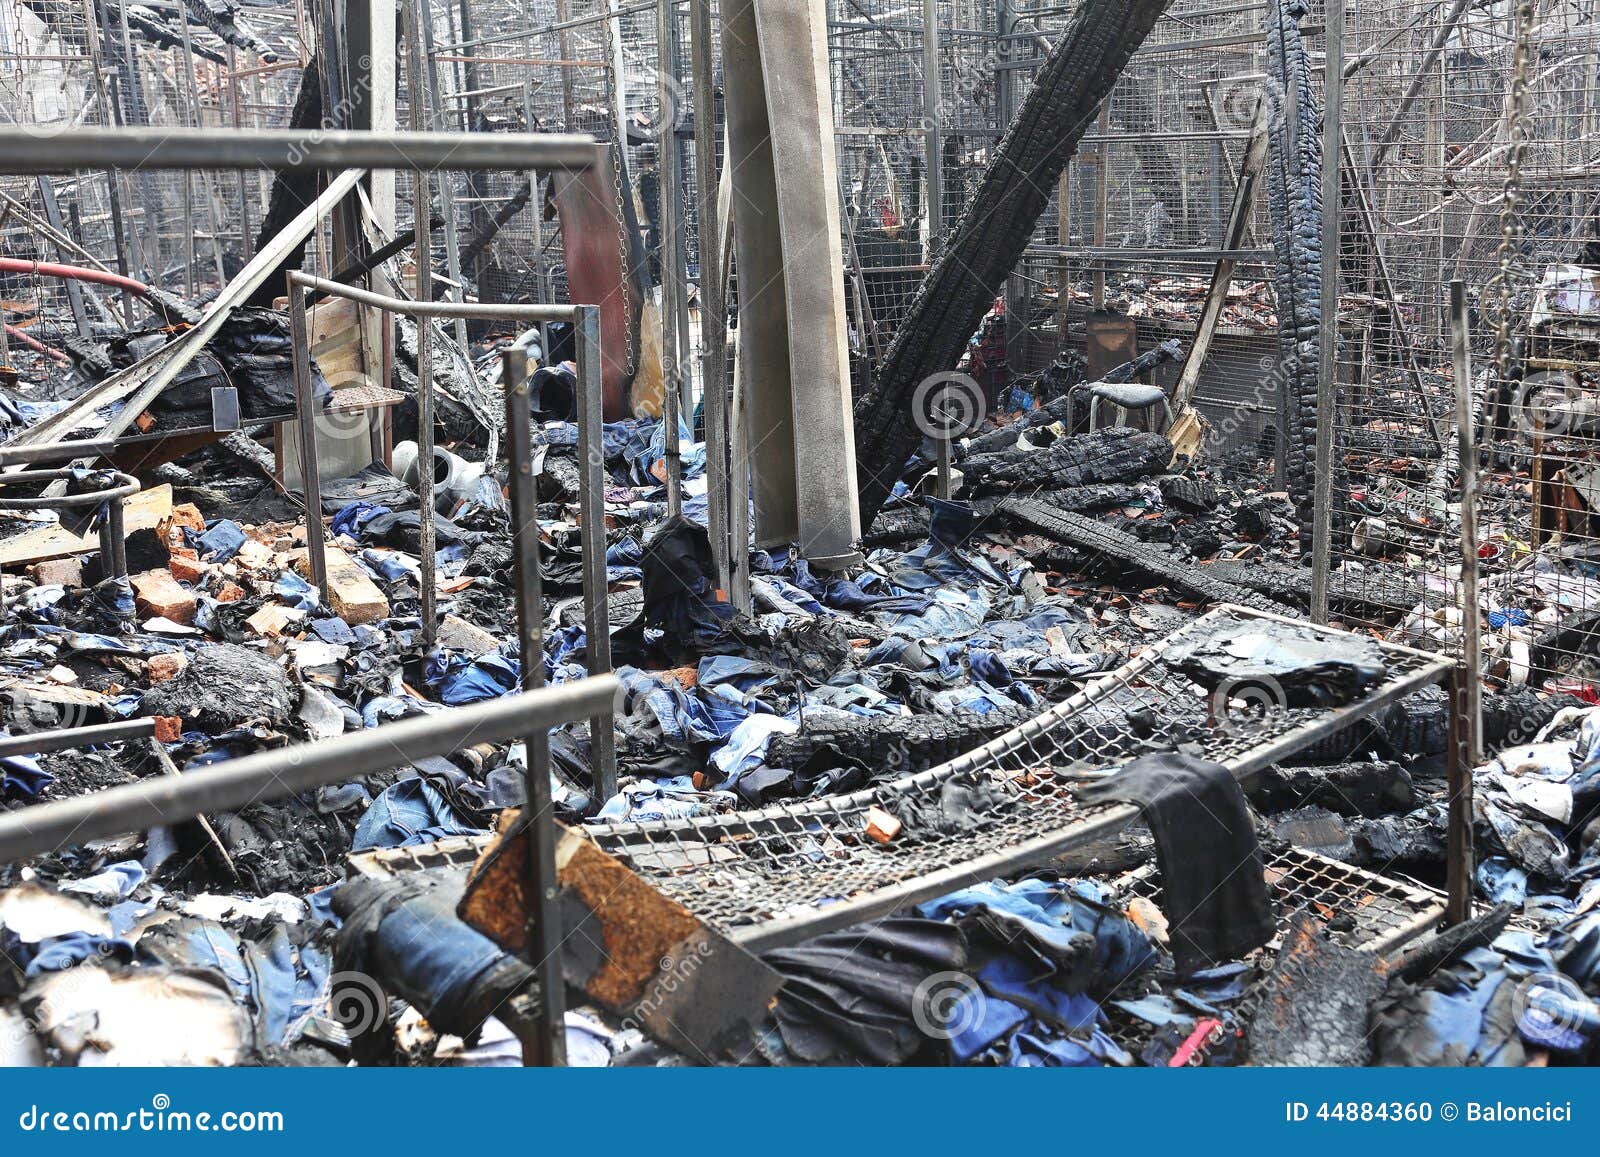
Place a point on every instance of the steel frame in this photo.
(661, 851)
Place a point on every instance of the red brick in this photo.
(186, 570)
(165, 666)
(156, 592)
(169, 728)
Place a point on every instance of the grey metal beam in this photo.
(1466, 700)
(160, 801)
(713, 304)
(149, 149)
(66, 739)
(546, 1044)
(592, 480)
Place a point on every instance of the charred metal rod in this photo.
(57, 451)
(592, 511)
(265, 775)
(44, 742)
(306, 418)
(1328, 370)
(546, 1044)
(1466, 685)
(485, 312)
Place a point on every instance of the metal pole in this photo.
(423, 13)
(1327, 392)
(144, 149)
(931, 121)
(713, 305)
(1466, 687)
(163, 800)
(592, 512)
(667, 175)
(44, 742)
(310, 470)
(117, 536)
(546, 1043)
(421, 195)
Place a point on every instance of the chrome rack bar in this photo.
(148, 149)
(585, 321)
(163, 800)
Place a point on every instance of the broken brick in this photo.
(274, 619)
(165, 666)
(187, 570)
(169, 728)
(65, 572)
(157, 594)
(881, 826)
(353, 596)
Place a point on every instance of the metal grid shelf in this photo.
(783, 873)
(1385, 913)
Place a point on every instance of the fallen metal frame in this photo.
(790, 871)
(113, 538)
(585, 320)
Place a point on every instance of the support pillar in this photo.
(793, 348)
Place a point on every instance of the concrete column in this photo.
(792, 338)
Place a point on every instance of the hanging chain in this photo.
(1511, 199)
(622, 244)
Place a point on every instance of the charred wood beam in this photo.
(1087, 534)
(1294, 198)
(995, 229)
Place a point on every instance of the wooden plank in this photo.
(144, 511)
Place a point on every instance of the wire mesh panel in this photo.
(784, 872)
(64, 64)
(1364, 910)
(1443, 103)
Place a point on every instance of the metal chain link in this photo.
(622, 243)
(1511, 200)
